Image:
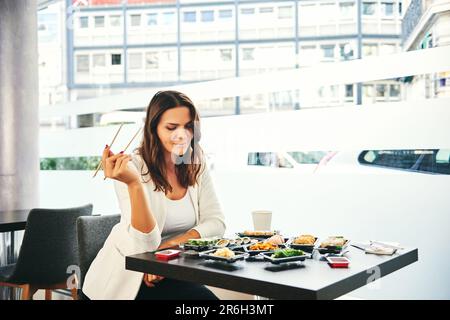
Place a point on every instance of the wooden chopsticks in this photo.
(135, 135)
(114, 139)
(112, 142)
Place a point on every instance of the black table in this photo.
(315, 280)
(10, 221)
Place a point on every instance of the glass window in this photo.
(98, 60)
(435, 161)
(394, 90)
(116, 59)
(327, 51)
(285, 12)
(152, 19)
(207, 16)
(114, 21)
(387, 49)
(346, 51)
(151, 60)
(309, 157)
(381, 90)
(225, 54)
(346, 9)
(388, 9)
(368, 8)
(168, 18)
(83, 63)
(248, 11)
(189, 16)
(247, 54)
(99, 21)
(84, 22)
(169, 55)
(368, 90)
(266, 10)
(370, 50)
(349, 90)
(224, 14)
(135, 60)
(268, 159)
(135, 20)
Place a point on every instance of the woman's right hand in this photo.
(115, 166)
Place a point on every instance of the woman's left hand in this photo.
(151, 279)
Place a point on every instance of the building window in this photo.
(114, 21)
(388, 9)
(346, 51)
(135, 20)
(349, 91)
(327, 51)
(83, 63)
(285, 12)
(369, 50)
(225, 54)
(225, 14)
(346, 10)
(368, 91)
(152, 19)
(207, 16)
(135, 60)
(99, 21)
(168, 18)
(248, 11)
(98, 60)
(84, 22)
(266, 10)
(387, 49)
(169, 55)
(380, 90)
(368, 8)
(151, 60)
(116, 59)
(394, 90)
(247, 54)
(190, 16)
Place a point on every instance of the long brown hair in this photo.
(152, 150)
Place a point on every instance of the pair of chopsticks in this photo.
(112, 142)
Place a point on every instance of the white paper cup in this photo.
(262, 220)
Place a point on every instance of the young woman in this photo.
(166, 197)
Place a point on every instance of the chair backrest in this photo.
(49, 247)
(92, 233)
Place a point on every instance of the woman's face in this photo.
(175, 130)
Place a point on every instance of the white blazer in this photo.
(107, 277)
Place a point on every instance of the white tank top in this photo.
(180, 217)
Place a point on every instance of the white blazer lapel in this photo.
(193, 193)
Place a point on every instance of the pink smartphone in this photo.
(167, 254)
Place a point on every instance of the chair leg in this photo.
(26, 292)
(48, 294)
(74, 293)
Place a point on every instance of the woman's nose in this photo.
(180, 135)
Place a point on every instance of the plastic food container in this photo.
(167, 254)
(338, 262)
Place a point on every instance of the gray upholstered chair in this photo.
(49, 251)
(92, 234)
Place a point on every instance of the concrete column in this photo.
(19, 117)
